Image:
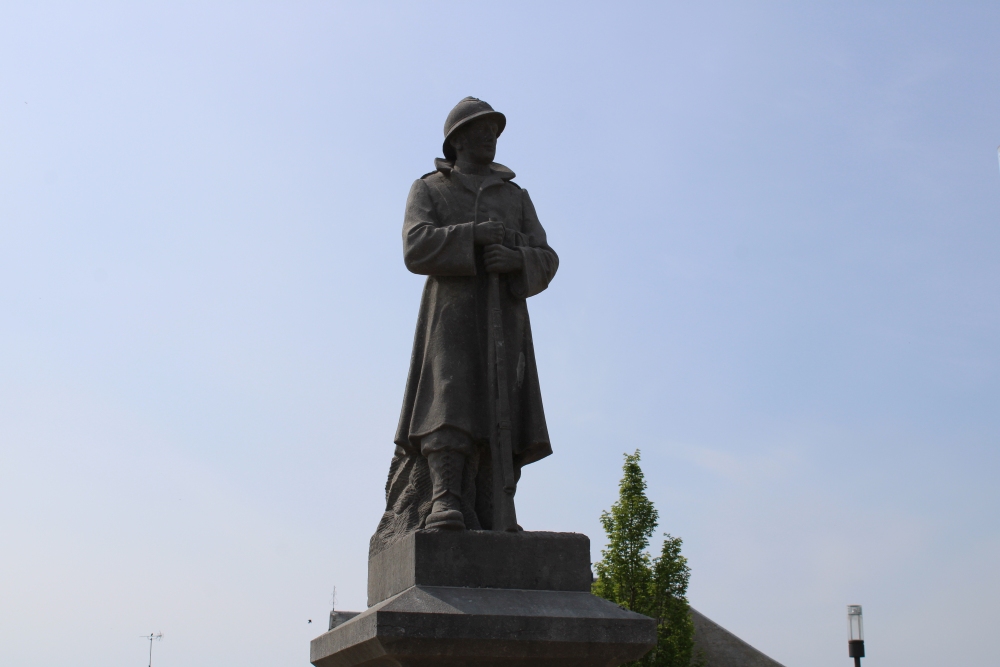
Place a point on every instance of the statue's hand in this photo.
(500, 259)
(488, 233)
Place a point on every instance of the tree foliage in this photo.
(655, 586)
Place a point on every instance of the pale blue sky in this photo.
(778, 232)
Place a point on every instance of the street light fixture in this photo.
(855, 634)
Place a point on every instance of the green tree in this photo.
(655, 586)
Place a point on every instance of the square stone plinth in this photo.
(482, 559)
(485, 599)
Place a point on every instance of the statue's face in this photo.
(477, 142)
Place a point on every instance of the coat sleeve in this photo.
(540, 261)
(430, 249)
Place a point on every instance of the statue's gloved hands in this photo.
(500, 259)
(488, 233)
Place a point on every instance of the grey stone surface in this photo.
(341, 617)
(481, 559)
(722, 648)
(487, 627)
(485, 598)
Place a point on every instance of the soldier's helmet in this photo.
(469, 109)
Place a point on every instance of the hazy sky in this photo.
(778, 232)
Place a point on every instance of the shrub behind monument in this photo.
(655, 586)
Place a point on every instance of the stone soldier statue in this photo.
(465, 220)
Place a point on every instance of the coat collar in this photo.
(497, 170)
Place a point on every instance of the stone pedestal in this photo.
(485, 599)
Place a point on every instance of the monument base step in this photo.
(445, 626)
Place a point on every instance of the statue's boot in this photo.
(446, 480)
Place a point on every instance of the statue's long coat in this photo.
(447, 383)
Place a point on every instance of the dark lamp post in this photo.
(855, 634)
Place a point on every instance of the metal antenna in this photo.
(335, 619)
(158, 636)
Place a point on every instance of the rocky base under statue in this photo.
(487, 599)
